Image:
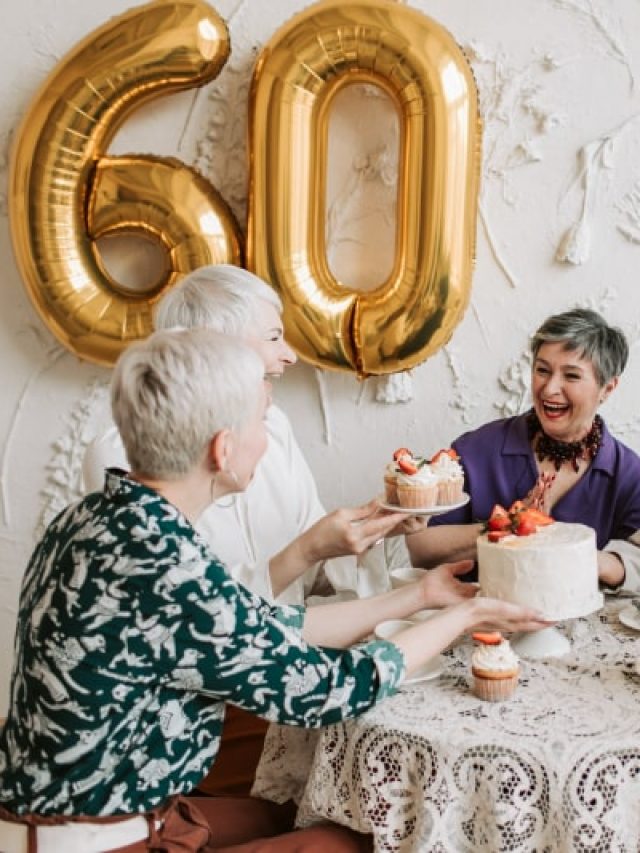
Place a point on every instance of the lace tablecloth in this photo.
(556, 768)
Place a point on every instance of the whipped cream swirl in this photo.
(498, 658)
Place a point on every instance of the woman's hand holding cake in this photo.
(426, 639)
(344, 531)
(442, 586)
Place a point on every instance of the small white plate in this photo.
(425, 510)
(630, 617)
(432, 669)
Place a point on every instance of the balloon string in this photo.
(324, 406)
(188, 118)
(493, 247)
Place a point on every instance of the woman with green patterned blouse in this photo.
(131, 635)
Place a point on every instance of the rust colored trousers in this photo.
(241, 745)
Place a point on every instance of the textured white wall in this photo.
(559, 226)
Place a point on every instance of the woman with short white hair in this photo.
(281, 509)
(280, 513)
(132, 636)
(235, 309)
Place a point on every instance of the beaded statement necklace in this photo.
(560, 452)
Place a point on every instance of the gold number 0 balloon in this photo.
(64, 194)
(327, 46)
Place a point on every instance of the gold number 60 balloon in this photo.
(327, 46)
(64, 193)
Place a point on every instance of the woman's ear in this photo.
(608, 388)
(219, 451)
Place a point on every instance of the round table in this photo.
(433, 768)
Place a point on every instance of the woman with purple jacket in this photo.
(559, 456)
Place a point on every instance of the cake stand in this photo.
(549, 642)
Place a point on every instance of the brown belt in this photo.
(177, 826)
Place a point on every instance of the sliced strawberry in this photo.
(526, 525)
(401, 451)
(497, 535)
(540, 518)
(450, 452)
(499, 518)
(499, 522)
(407, 467)
(489, 638)
(516, 506)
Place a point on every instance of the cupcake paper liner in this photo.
(417, 496)
(494, 689)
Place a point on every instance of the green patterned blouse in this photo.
(131, 637)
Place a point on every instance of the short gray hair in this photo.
(221, 297)
(171, 393)
(585, 331)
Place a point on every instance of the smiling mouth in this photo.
(554, 410)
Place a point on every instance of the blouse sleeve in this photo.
(230, 644)
(625, 530)
(628, 550)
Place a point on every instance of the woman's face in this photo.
(566, 393)
(267, 339)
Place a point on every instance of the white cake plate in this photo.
(547, 643)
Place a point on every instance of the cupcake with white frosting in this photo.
(447, 468)
(494, 666)
(390, 483)
(418, 488)
(403, 460)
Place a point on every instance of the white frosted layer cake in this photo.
(554, 570)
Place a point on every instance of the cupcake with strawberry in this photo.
(494, 666)
(393, 469)
(416, 484)
(447, 468)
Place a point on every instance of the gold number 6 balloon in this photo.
(64, 194)
(418, 64)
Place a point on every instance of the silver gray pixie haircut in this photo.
(171, 393)
(588, 333)
(221, 297)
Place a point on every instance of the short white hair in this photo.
(171, 393)
(221, 297)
